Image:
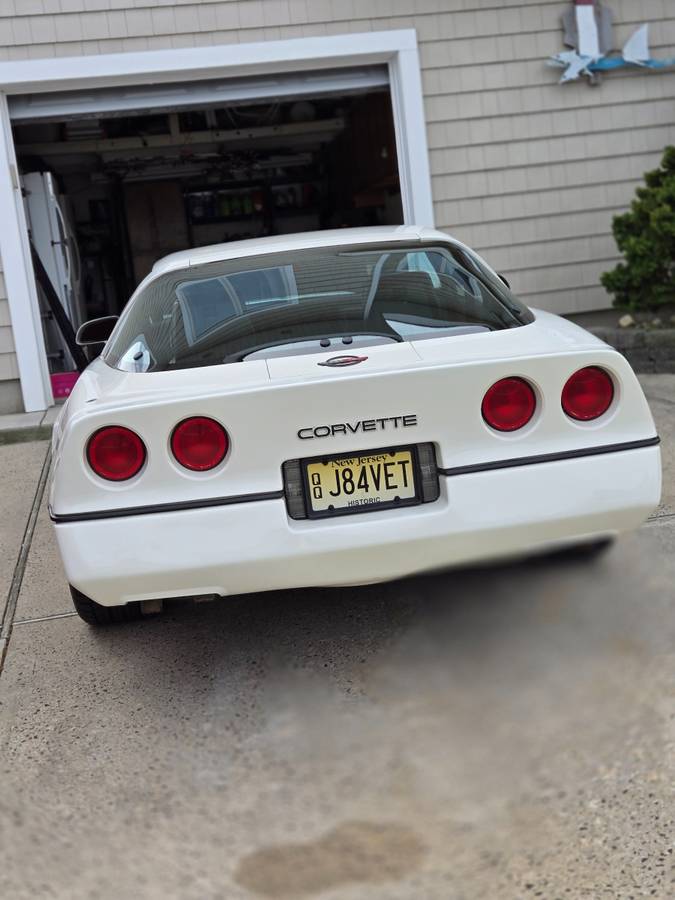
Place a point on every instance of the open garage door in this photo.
(133, 173)
(148, 99)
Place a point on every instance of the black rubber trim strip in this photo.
(549, 457)
(279, 495)
(163, 507)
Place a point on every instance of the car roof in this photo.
(381, 234)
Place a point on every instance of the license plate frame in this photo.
(415, 500)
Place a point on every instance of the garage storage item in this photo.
(63, 383)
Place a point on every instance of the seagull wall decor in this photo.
(588, 30)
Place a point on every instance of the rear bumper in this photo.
(255, 546)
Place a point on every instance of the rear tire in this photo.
(95, 614)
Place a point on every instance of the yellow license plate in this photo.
(361, 482)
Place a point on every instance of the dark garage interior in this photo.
(133, 187)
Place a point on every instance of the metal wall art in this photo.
(588, 30)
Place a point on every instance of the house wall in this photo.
(527, 171)
(10, 392)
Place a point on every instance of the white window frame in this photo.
(397, 49)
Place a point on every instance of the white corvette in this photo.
(336, 408)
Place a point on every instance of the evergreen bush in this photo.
(646, 237)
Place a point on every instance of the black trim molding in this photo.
(279, 495)
(163, 507)
(549, 457)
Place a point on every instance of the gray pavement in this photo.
(20, 466)
(660, 391)
(497, 733)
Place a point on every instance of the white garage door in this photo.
(107, 102)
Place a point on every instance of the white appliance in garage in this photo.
(54, 239)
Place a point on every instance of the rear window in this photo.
(309, 301)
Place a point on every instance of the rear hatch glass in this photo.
(289, 304)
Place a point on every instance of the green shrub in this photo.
(646, 237)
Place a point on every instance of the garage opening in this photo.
(115, 179)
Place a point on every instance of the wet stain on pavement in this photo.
(367, 852)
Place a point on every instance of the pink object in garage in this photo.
(63, 383)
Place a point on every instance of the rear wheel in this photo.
(95, 614)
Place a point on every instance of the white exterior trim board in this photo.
(189, 64)
(22, 297)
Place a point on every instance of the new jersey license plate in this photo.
(361, 482)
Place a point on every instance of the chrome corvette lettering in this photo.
(365, 425)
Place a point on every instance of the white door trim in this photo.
(411, 137)
(398, 49)
(24, 310)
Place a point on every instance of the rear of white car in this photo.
(355, 457)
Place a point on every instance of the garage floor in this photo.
(497, 733)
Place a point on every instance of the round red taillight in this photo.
(588, 394)
(509, 404)
(199, 443)
(115, 453)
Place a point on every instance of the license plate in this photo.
(361, 482)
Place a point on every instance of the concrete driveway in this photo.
(497, 733)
